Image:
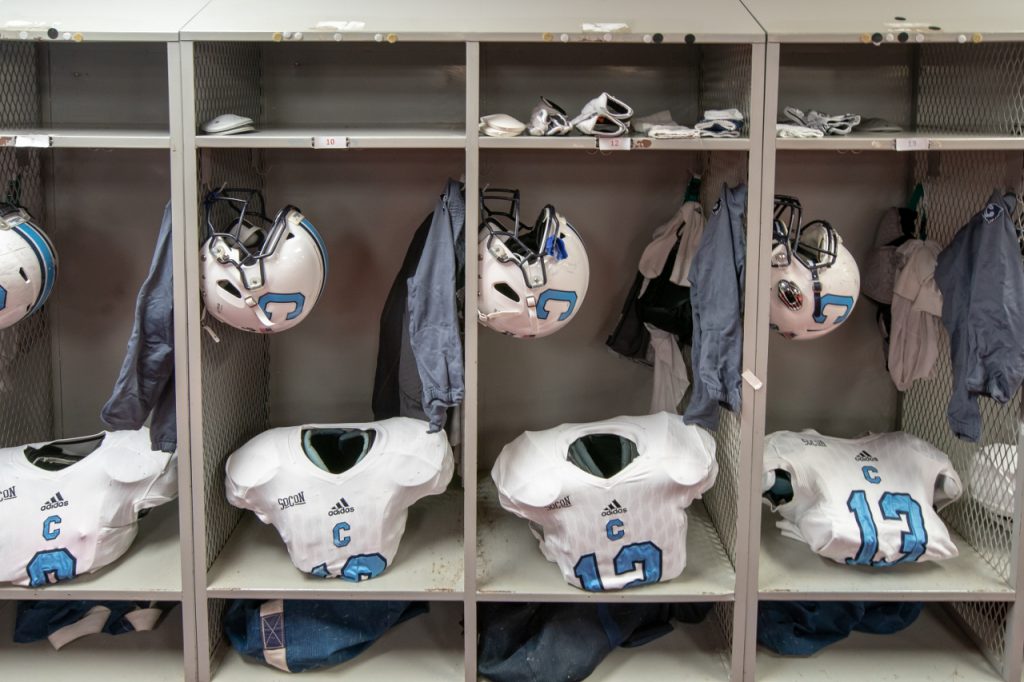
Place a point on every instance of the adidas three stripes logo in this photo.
(55, 502)
(340, 507)
(614, 508)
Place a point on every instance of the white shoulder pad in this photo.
(128, 458)
(689, 451)
(524, 474)
(416, 456)
(258, 460)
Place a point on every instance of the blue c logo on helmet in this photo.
(556, 295)
(3, 298)
(832, 299)
(296, 299)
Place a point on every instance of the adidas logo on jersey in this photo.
(561, 504)
(340, 507)
(614, 508)
(292, 500)
(56, 502)
(7, 494)
(865, 456)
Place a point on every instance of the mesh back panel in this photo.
(26, 385)
(974, 89)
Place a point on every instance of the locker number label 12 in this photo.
(330, 142)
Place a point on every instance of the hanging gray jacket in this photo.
(716, 294)
(981, 277)
(146, 381)
(433, 309)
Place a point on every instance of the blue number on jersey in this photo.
(894, 506)
(647, 554)
(58, 563)
(363, 567)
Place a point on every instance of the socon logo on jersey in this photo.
(561, 504)
(55, 502)
(614, 508)
(341, 507)
(292, 500)
(7, 494)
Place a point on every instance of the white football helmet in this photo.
(815, 280)
(260, 275)
(532, 280)
(28, 265)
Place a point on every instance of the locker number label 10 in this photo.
(330, 142)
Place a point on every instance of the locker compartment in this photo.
(366, 210)
(839, 384)
(154, 655)
(426, 647)
(369, 94)
(684, 79)
(692, 651)
(942, 92)
(85, 94)
(948, 641)
(60, 364)
(615, 202)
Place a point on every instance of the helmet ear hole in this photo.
(505, 290)
(291, 235)
(24, 275)
(229, 288)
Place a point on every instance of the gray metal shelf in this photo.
(911, 141)
(807, 22)
(789, 569)
(637, 143)
(694, 651)
(95, 137)
(933, 648)
(154, 656)
(255, 564)
(150, 570)
(465, 20)
(339, 139)
(110, 20)
(427, 647)
(510, 566)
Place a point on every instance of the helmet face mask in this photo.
(815, 280)
(28, 265)
(253, 263)
(532, 279)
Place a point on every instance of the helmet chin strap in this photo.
(816, 283)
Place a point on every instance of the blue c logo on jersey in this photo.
(846, 302)
(340, 541)
(614, 529)
(871, 474)
(555, 295)
(49, 532)
(296, 299)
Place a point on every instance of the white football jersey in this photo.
(345, 525)
(610, 533)
(55, 525)
(867, 501)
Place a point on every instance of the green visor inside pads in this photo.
(337, 450)
(602, 454)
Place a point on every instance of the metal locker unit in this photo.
(360, 118)
(90, 145)
(950, 77)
